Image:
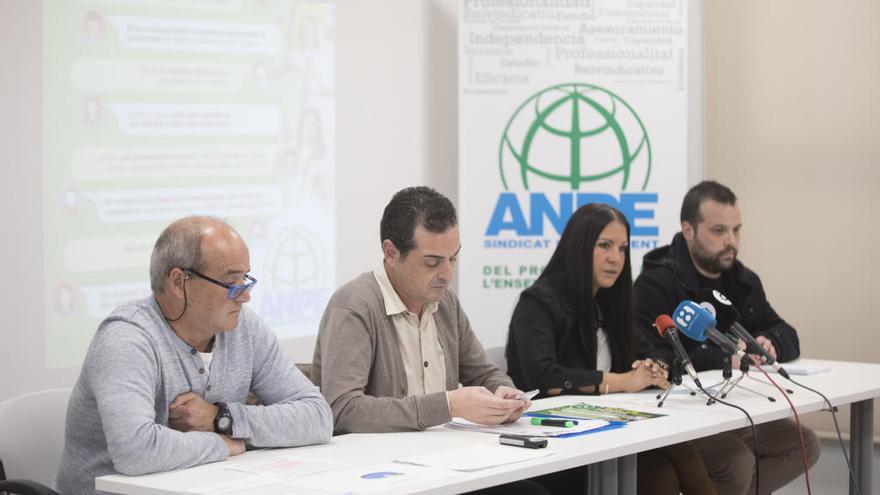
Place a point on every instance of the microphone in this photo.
(666, 327)
(715, 302)
(698, 324)
(755, 347)
(719, 306)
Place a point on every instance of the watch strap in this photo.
(223, 420)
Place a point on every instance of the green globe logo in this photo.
(295, 260)
(575, 133)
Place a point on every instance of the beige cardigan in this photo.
(357, 362)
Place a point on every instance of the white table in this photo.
(611, 453)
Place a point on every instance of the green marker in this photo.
(561, 423)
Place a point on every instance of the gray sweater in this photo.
(359, 368)
(117, 417)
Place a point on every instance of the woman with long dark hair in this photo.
(572, 333)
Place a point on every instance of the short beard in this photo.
(713, 264)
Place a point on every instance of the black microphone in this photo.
(715, 301)
(755, 347)
(667, 329)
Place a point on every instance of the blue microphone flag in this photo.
(693, 320)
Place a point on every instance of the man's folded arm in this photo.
(346, 362)
(122, 373)
(293, 413)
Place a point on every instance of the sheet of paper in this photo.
(799, 369)
(298, 476)
(523, 426)
(258, 484)
(285, 468)
(376, 478)
(475, 458)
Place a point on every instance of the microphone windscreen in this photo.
(719, 306)
(664, 323)
(693, 320)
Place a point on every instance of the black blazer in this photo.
(546, 348)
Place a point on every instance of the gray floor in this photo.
(829, 475)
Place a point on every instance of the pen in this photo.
(562, 423)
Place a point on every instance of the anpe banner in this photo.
(564, 103)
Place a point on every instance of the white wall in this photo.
(396, 119)
(793, 121)
(22, 227)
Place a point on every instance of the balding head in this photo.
(181, 245)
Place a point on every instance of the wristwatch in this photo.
(223, 420)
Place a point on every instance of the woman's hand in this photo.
(645, 373)
(658, 369)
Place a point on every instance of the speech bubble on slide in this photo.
(196, 119)
(144, 205)
(102, 299)
(186, 35)
(157, 162)
(107, 253)
(157, 76)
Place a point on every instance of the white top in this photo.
(207, 357)
(603, 351)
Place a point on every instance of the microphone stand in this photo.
(725, 386)
(762, 382)
(676, 371)
(729, 382)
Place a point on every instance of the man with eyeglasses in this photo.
(165, 379)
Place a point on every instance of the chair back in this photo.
(496, 355)
(32, 434)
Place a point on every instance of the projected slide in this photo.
(154, 110)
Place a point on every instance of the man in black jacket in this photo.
(703, 256)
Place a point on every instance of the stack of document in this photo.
(524, 426)
(293, 475)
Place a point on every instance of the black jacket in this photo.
(545, 348)
(669, 277)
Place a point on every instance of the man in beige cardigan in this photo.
(394, 344)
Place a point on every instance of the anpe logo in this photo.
(559, 141)
(296, 270)
(599, 133)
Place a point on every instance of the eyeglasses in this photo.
(233, 290)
